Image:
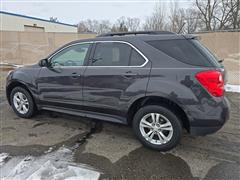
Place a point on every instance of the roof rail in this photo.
(135, 33)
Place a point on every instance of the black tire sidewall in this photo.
(30, 101)
(175, 121)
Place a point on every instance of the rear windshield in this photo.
(186, 51)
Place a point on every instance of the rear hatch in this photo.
(190, 51)
(211, 57)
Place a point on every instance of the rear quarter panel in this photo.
(180, 86)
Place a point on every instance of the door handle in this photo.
(75, 75)
(129, 74)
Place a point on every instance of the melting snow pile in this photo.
(3, 156)
(55, 165)
(232, 88)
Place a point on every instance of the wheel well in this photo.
(155, 100)
(12, 86)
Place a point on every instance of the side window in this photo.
(71, 56)
(136, 59)
(111, 54)
(181, 50)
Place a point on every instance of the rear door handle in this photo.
(129, 74)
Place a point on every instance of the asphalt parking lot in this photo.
(112, 150)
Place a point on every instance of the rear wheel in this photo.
(22, 102)
(157, 127)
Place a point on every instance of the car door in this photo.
(116, 74)
(61, 83)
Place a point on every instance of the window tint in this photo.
(71, 56)
(207, 52)
(136, 59)
(182, 50)
(111, 54)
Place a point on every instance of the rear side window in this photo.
(207, 52)
(111, 54)
(182, 50)
(136, 59)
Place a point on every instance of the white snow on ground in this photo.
(55, 165)
(232, 88)
(3, 156)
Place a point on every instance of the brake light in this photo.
(212, 80)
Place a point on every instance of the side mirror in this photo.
(43, 63)
(96, 59)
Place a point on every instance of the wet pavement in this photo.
(113, 151)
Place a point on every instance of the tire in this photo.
(21, 94)
(168, 126)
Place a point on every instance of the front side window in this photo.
(111, 54)
(71, 56)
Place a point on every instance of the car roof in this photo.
(130, 36)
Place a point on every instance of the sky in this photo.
(73, 11)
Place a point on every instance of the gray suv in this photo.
(158, 82)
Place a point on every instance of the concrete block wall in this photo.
(30, 47)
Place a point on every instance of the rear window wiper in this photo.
(220, 60)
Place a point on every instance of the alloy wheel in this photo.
(156, 128)
(21, 103)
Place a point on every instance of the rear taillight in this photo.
(212, 80)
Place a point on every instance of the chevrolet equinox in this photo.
(158, 82)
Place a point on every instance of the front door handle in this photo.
(75, 75)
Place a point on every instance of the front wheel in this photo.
(22, 102)
(157, 127)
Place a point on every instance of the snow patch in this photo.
(49, 150)
(3, 157)
(55, 165)
(232, 88)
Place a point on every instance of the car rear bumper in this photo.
(202, 131)
(203, 127)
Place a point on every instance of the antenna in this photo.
(181, 28)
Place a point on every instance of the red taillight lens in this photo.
(212, 80)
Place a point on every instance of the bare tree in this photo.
(97, 26)
(133, 24)
(82, 27)
(223, 14)
(206, 15)
(208, 10)
(192, 20)
(176, 18)
(120, 25)
(156, 22)
(219, 14)
(104, 27)
(234, 13)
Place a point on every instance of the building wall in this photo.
(222, 44)
(30, 47)
(16, 23)
(226, 45)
